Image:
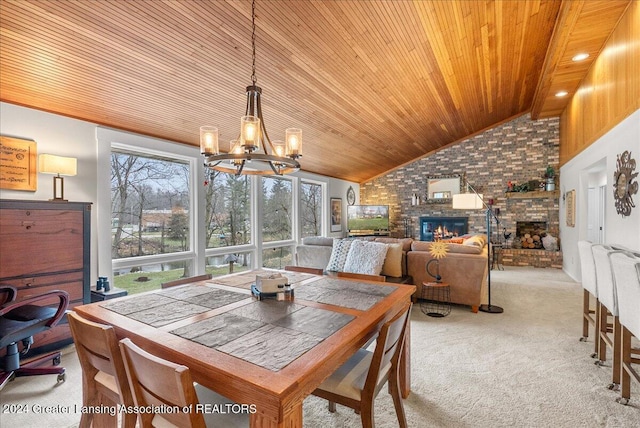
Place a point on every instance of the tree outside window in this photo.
(277, 209)
(310, 209)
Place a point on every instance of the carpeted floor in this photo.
(523, 368)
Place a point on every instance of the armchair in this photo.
(19, 321)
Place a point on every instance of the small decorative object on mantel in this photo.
(624, 186)
(549, 176)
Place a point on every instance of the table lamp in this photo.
(58, 165)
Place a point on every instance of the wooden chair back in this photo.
(182, 281)
(362, 276)
(103, 371)
(158, 382)
(387, 352)
(314, 271)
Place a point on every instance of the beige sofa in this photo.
(464, 268)
(315, 252)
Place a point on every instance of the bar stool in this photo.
(589, 316)
(608, 304)
(626, 269)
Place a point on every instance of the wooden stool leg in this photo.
(602, 346)
(617, 350)
(625, 381)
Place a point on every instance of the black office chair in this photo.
(19, 321)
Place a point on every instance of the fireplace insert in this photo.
(436, 228)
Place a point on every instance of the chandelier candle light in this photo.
(253, 153)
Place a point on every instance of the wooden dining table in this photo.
(267, 353)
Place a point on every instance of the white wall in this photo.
(596, 164)
(60, 135)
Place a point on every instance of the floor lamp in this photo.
(474, 201)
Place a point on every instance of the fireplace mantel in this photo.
(538, 194)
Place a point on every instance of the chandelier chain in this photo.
(254, 79)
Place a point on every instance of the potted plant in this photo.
(550, 175)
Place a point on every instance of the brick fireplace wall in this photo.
(516, 151)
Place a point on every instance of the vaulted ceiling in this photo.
(373, 84)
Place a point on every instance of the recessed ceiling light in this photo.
(580, 57)
(561, 94)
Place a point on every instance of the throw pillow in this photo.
(454, 240)
(476, 240)
(339, 254)
(393, 262)
(365, 257)
(464, 249)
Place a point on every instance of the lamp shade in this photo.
(467, 201)
(52, 164)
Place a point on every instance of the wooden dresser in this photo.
(45, 246)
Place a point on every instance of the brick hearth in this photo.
(535, 258)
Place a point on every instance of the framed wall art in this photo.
(18, 164)
(570, 206)
(624, 186)
(336, 214)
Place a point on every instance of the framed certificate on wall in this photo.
(18, 164)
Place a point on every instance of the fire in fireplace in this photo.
(529, 234)
(436, 228)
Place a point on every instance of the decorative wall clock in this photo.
(624, 186)
(351, 196)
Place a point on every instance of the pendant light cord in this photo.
(254, 79)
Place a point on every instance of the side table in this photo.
(436, 299)
(99, 296)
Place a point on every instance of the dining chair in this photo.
(362, 276)
(181, 281)
(609, 335)
(314, 271)
(358, 381)
(104, 379)
(590, 292)
(156, 382)
(626, 269)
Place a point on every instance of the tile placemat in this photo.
(344, 293)
(174, 304)
(267, 333)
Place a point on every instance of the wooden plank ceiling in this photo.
(373, 84)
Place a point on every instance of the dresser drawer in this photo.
(39, 241)
(36, 285)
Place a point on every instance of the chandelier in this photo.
(252, 153)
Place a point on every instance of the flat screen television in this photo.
(364, 218)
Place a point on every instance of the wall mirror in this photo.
(441, 188)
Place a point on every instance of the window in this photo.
(164, 217)
(277, 258)
(228, 263)
(310, 209)
(227, 209)
(150, 219)
(277, 209)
